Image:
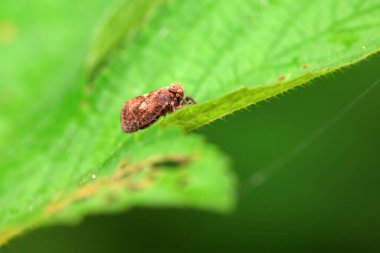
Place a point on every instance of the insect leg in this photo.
(181, 101)
(188, 98)
(172, 107)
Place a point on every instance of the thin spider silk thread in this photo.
(262, 175)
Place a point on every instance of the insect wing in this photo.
(141, 111)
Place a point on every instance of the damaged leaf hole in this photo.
(134, 177)
(153, 164)
(175, 162)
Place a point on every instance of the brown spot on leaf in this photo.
(153, 164)
(281, 78)
(112, 184)
(121, 179)
(305, 66)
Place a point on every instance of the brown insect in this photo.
(142, 111)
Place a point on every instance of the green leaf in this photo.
(63, 153)
(152, 168)
(61, 157)
(123, 21)
(230, 55)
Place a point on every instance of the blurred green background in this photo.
(325, 199)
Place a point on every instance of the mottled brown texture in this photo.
(142, 111)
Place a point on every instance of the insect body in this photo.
(142, 111)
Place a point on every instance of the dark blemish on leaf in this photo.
(281, 78)
(142, 111)
(153, 164)
(173, 162)
(305, 66)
